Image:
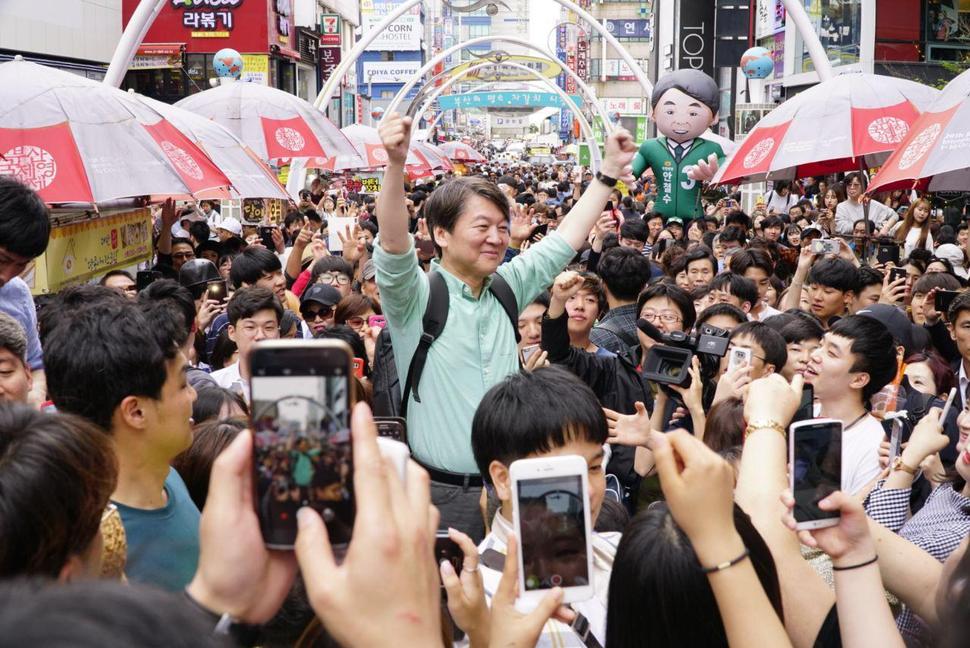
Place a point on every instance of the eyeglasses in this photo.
(666, 316)
(322, 313)
(330, 278)
(355, 322)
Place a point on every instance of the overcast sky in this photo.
(543, 16)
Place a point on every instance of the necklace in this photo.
(850, 425)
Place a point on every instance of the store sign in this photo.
(618, 69)
(769, 18)
(283, 20)
(390, 71)
(80, 251)
(213, 18)
(403, 35)
(695, 41)
(329, 60)
(582, 58)
(507, 98)
(330, 29)
(624, 105)
(631, 28)
(501, 121)
(157, 56)
(499, 72)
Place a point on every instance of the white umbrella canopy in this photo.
(75, 140)
(274, 124)
(371, 154)
(851, 121)
(461, 152)
(934, 154)
(250, 177)
(438, 160)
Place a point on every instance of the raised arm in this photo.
(392, 212)
(575, 227)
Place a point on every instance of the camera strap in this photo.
(580, 625)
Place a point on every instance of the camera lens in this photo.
(670, 370)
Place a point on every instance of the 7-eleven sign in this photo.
(330, 29)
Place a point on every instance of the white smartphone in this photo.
(396, 454)
(738, 357)
(825, 246)
(529, 351)
(895, 439)
(815, 457)
(550, 507)
(947, 405)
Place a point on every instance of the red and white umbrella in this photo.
(459, 152)
(274, 124)
(439, 161)
(934, 154)
(849, 122)
(76, 140)
(372, 155)
(250, 177)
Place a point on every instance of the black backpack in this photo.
(389, 399)
(631, 344)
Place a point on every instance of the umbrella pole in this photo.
(865, 212)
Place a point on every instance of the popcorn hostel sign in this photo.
(390, 71)
(402, 35)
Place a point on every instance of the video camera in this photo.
(667, 363)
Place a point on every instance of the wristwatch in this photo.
(605, 179)
(899, 465)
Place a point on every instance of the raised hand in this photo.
(566, 285)
(466, 592)
(522, 227)
(629, 429)
(704, 170)
(619, 151)
(395, 134)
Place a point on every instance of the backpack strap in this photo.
(435, 318)
(613, 326)
(503, 293)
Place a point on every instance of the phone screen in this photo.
(216, 290)
(300, 418)
(816, 468)
(806, 407)
(553, 530)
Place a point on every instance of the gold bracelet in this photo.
(766, 425)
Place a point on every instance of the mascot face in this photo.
(680, 117)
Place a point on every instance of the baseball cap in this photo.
(675, 220)
(954, 255)
(321, 294)
(895, 321)
(231, 225)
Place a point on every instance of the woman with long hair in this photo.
(914, 231)
(829, 202)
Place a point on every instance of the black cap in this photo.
(197, 272)
(895, 321)
(321, 294)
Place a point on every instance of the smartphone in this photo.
(301, 395)
(895, 274)
(825, 246)
(266, 237)
(550, 510)
(216, 290)
(376, 320)
(738, 357)
(447, 550)
(895, 439)
(540, 230)
(391, 427)
(145, 278)
(609, 206)
(948, 405)
(943, 300)
(888, 253)
(815, 457)
(529, 351)
(806, 407)
(425, 248)
(358, 364)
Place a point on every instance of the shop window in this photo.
(838, 25)
(947, 30)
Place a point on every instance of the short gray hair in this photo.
(13, 337)
(692, 83)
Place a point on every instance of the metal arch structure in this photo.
(441, 56)
(326, 93)
(584, 124)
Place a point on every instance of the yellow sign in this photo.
(210, 34)
(498, 72)
(255, 68)
(83, 251)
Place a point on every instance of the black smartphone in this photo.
(266, 237)
(895, 274)
(144, 278)
(888, 253)
(815, 455)
(609, 206)
(392, 427)
(806, 407)
(447, 550)
(300, 395)
(216, 290)
(943, 300)
(540, 230)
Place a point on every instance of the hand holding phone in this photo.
(216, 291)
(942, 301)
(815, 457)
(550, 509)
(738, 357)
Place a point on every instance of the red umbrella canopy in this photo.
(933, 155)
(75, 140)
(461, 152)
(845, 123)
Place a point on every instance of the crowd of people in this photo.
(506, 313)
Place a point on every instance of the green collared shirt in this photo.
(475, 351)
